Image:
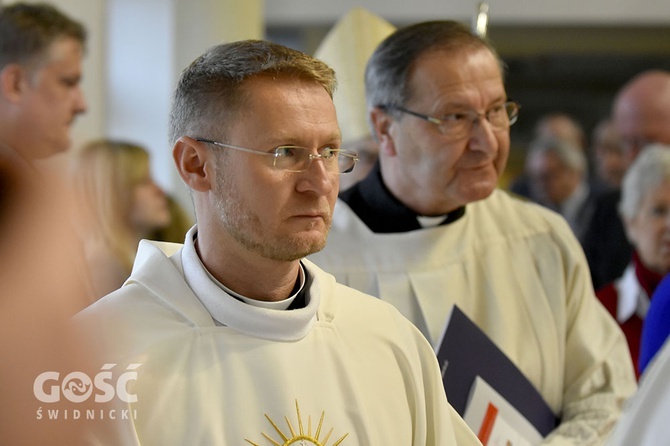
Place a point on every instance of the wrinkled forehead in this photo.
(442, 70)
(453, 56)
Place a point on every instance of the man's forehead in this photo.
(62, 50)
(453, 60)
(449, 56)
(283, 103)
(65, 46)
(456, 69)
(267, 87)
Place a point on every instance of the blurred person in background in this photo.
(563, 127)
(609, 156)
(557, 126)
(347, 48)
(641, 114)
(41, 270)
(41, 51)
(122, 204)
(558, 180)
(645, 211)
(180, 222)
(41, 54)
(642, 111)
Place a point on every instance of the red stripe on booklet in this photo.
(487, 424)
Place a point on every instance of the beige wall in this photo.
(533, 12)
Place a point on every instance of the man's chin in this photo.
(314, 244)
(315, 248)
(48, 150)
(479, 191)
(299, 249)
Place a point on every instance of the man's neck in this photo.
(245, 272)
(381, 211)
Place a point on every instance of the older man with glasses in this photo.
(427, 229)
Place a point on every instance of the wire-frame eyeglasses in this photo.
(458, 124)
(298, 159)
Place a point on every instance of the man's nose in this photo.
(80, 102)
(317, 178)
(482, 136)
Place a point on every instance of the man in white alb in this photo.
(428, 229)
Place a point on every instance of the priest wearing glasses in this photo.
(427, 229)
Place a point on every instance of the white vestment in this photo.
(645, 420)
(346, 363)
(519, 273)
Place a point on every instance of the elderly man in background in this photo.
(558, 126)
(641, 114)
(428, 229)
(610, 159)
(563, 127)
(558, 180)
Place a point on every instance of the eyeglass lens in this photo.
(299, 159)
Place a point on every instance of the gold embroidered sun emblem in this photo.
(300, 438)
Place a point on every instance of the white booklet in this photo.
(495, 421)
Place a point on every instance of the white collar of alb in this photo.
(269, 323)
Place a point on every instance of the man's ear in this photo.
(194, 163)
(12, 80)
(381, 124)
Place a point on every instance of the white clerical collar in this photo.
(430, 222)
(228, 311)
(191, 258)
(279, 305)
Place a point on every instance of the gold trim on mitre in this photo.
(347, 48)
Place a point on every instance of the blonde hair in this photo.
(105, 175)
(180, 222)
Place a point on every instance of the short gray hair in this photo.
(211, 91)
(568, 154)
(649, 170)
(387, 70)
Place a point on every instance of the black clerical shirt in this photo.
(376, 206)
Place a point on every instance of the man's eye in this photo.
(659, 211)
(286, 151)
(498, 110)
(329, 152)
(70, 82)
(455, 117)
